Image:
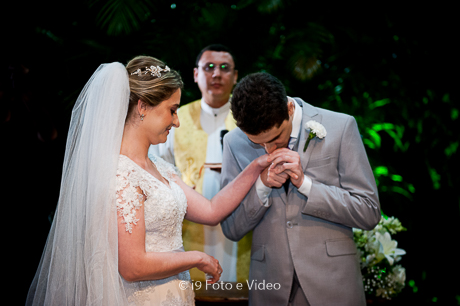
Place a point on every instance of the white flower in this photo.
(388, 248)
(399, 275)
(378, 257)
(316, 129)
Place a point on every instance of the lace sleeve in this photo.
(166, 169)
(129, 199)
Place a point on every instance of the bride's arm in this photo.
(211, 212)
(135, 264)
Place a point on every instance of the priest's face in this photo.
(216, 76)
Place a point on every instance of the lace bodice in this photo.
(164, 211)
(164, 207)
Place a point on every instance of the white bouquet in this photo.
(379, 254)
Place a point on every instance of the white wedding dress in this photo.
(164, 211)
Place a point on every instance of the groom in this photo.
(302, 233)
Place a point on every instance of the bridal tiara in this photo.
(154, 71)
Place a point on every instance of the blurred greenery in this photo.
(394, 70)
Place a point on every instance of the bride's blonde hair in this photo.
(149, 87)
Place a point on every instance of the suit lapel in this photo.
(308, 113)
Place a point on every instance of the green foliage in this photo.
(121, 16)
(413, 286)
(391, 71)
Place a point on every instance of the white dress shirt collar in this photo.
(296, 121)
(214, 111)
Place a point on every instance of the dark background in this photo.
(394, 69)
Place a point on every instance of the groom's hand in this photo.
(272, 178)
(288, 162)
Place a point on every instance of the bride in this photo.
(116, 235)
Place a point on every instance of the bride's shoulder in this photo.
(124, 163)
(128, 169)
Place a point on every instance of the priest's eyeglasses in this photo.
(210, 67)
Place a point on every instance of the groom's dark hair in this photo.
(259, 103)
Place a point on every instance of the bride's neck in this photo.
(134, 144)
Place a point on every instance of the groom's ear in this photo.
(291, 107)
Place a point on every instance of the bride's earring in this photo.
(142, 117)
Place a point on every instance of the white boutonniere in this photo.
(316, 129)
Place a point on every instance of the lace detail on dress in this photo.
(140, 292)
(165, 168)
(164, 208)
(128, 198)
(174, 300)
(164, 211)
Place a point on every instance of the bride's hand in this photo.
(262, 162)
(210, 266)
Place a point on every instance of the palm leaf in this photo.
(121, 16)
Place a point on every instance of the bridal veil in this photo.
(79, 265)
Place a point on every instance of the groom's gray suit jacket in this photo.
(313, 235)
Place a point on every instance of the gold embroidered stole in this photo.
(190, 144)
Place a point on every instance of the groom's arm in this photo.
(355, 202)
(251, 210)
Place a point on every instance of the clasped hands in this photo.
(284, 164)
